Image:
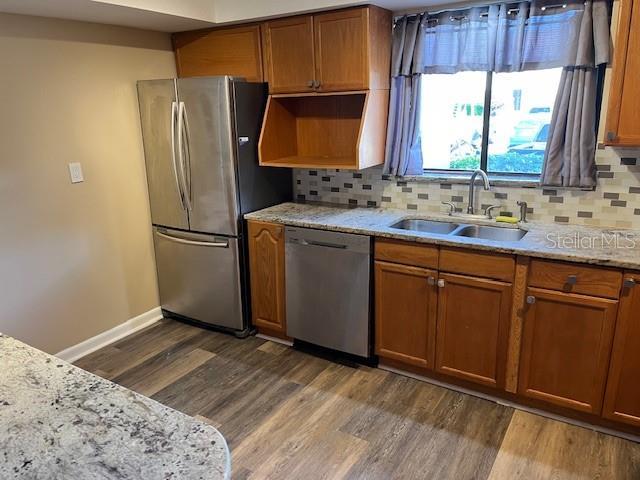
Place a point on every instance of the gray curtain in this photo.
(570, 153)
(508, 37)
(403, 153)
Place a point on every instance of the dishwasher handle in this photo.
(327, 240)
(315, 243)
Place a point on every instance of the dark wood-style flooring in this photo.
(290, 415)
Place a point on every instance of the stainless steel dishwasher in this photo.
(327, 279)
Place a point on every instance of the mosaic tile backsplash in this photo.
(614, 203)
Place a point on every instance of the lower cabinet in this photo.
(266, 264)
(566, 344)
(473, 328)
(455, 324)
(406, 300)
(622, 400)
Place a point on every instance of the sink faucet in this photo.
(523, 211)
(471, 208)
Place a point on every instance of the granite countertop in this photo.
(60, 422)
(598, 246)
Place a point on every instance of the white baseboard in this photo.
(103, 339)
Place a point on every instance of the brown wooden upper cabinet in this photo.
(288, 54)
(622, 400)
(232, 51)
(329, 52)
(266, 263)
(623, 114)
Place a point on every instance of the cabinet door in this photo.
(266, 263)
(405, 313)
(622, 400)
(232, 51)
(623, 114)
(566, 345)
(341, 42)
(473, 327)
(289, 54)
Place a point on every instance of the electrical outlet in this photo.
(75, 171)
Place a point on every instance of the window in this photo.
(495, 121)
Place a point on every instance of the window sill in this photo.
(523, 181)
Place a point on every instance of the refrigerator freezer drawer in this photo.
(199, 276)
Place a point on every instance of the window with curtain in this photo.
(495, 121)
(510, 88)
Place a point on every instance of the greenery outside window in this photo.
(495, 121)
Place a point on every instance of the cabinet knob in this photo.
(311, 83)
(431, 281)
(572, 279)
(611, 136)
(629, 283)
(441, 283)
(531, 299)
(316, 84)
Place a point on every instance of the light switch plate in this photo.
(75, 171)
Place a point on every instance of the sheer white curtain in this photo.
(507, 37)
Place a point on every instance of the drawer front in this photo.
(572, 278)
(406, 253)
(487, 265)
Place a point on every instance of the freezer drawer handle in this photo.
(193, 242)
(322, 244)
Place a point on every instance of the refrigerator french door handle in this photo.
(192, 242)
(184, 153)
(174, 115)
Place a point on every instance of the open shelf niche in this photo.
(317, 130)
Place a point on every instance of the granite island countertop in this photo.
(597, 246)
(60, 422)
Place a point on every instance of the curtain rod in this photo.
(468, 5)
(451, 6)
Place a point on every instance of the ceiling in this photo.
(174, 16)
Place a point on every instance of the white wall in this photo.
(245, 10)
(75, 260)
(196, 9)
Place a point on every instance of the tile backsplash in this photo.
(614, 203)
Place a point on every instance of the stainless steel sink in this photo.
(491, 233)
(428, 226)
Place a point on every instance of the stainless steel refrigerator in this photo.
(200, 140)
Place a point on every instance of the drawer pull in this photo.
(572, 279)
(431, 281)
(441, 283)
(531, 299)
(629, 283)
